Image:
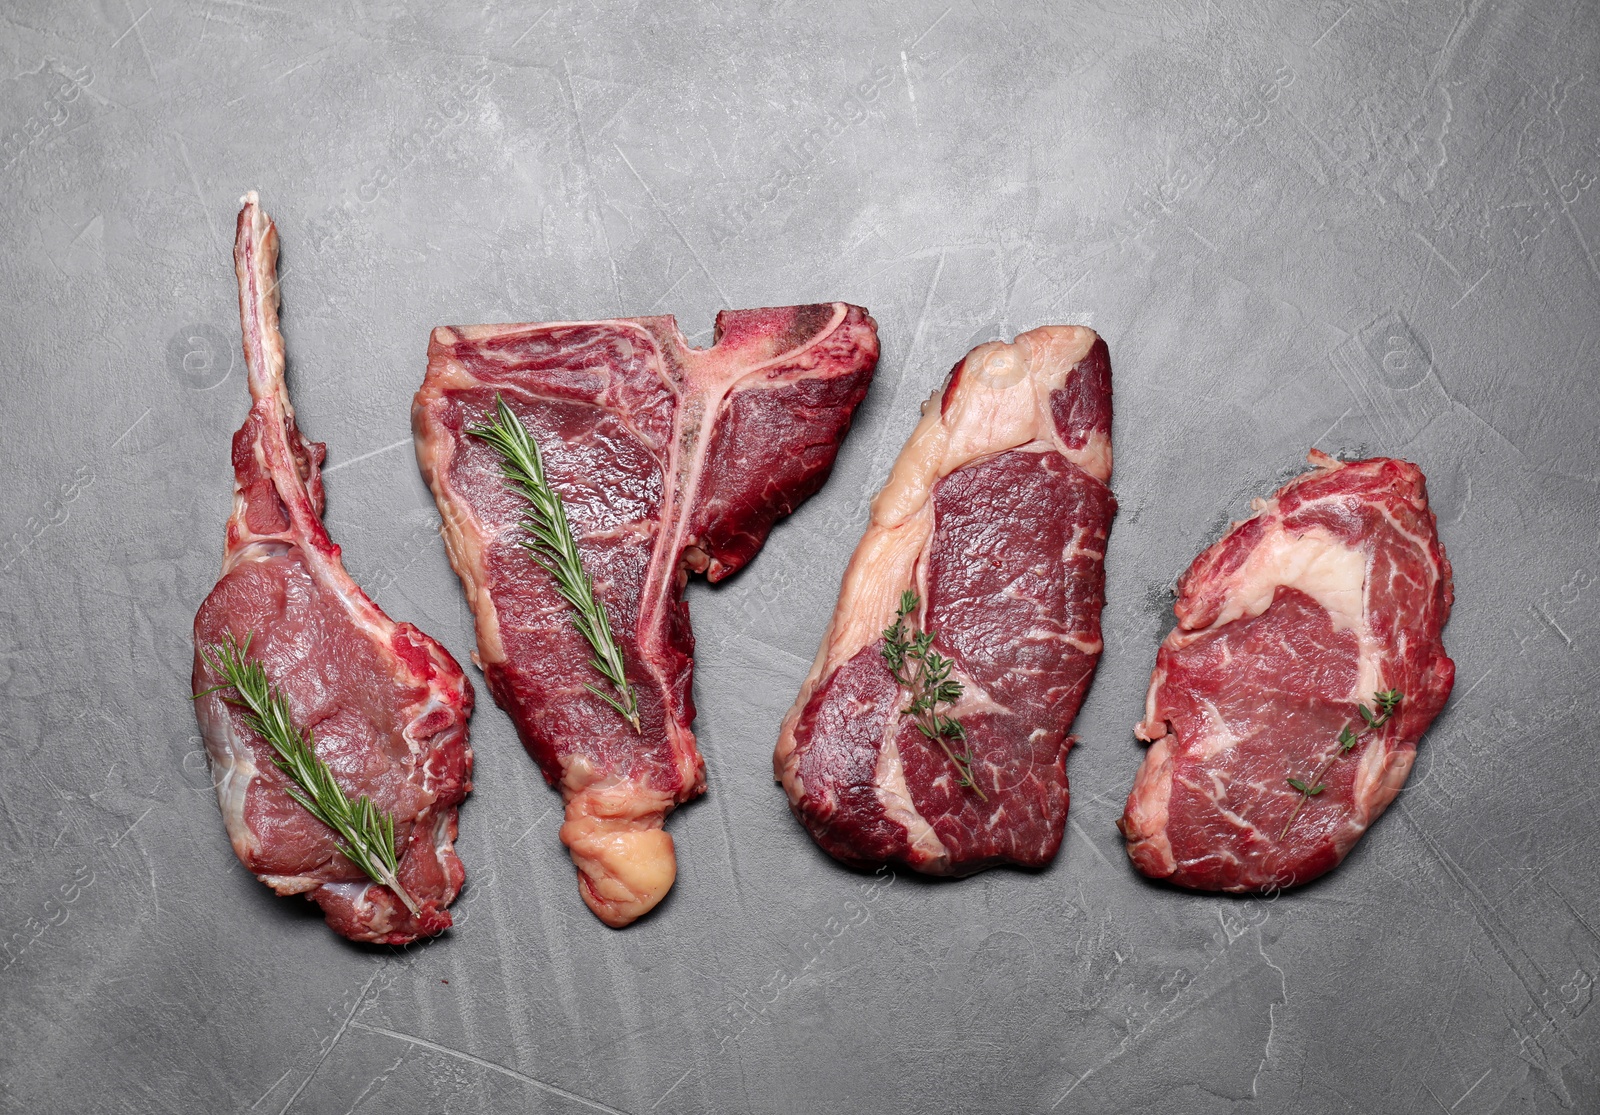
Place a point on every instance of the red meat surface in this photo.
(387, 706)
(996, 516)
(1337, 589)
(670, 460)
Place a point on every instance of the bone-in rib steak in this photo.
(1335, 591)
(387, 706)
(996, 516)
(669, 459)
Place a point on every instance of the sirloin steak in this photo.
(387, 706)
(1334, 591)
(996, 515)
(669, 460)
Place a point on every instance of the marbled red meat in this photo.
(996, 515)
(387, 706)
(670, 460)
(1335, 590)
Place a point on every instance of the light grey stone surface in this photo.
(1367, 227)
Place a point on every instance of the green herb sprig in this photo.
(550, 542)
(1386, 702)
(366, 832)
(926, 673)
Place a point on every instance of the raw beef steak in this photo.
(670, 460)
(1334, 592)
(995, 515)
(387, 706)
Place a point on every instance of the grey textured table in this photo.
(1368, 227)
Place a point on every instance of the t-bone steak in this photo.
(1334, 591)
(669, 459)
(996, 516)
(387, 706)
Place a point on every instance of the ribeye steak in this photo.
(387, 706)
(669, 459)
(1334, 591)
(996, 516)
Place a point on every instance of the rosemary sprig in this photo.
(1386, 702)
(549, 540)
(366, 832)
(926, 673)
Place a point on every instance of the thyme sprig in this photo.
(1386, 701)
(366, 832)
(926, 673)
(550, 542)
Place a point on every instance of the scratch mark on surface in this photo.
(1437, 254)
(1333, 156)
(252, 6)
(364, 456)
(131, 428)
(270, 1090)
(725, 830)
(1193, 232)
(144, 49)
(1450, 42)
(922, 319)
(666, 293)
(531, 827)
(194, 179)
(1336, 422)
(911, 357)
(133, 826)
(1594, 269)
(426, 613)
(131, 26)
(1475, 685)
(674, 1087)
(1074, 1086)
(1471, 288)
(591, 182)
(303, 64)
(1077, 828)
(666, 216)
(1551, 621)
(1076, 283)
(462, 1055)
(11, 815)
(1472, 1089)
(1357, 382)
(929, 31)
(1583, 921)
(1437, 1101)
(1331, 26)
(783, 656)
(349, 1020)
(377, 1081)
(1526, 970)
(531, 26)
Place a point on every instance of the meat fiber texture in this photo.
(387, 706)
(996, 515)
(1337, 589)
(670, 460)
